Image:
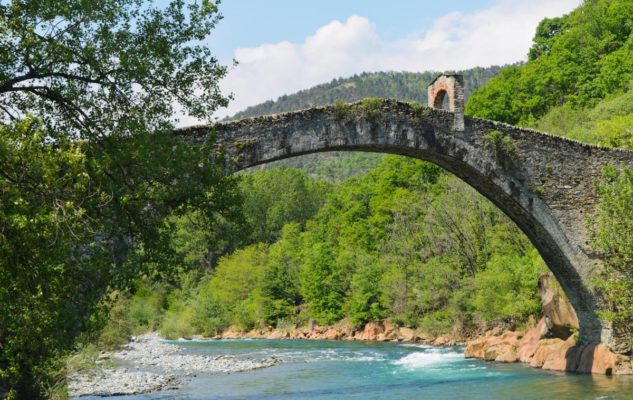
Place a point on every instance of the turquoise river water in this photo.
(385, 371)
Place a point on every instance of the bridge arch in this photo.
(545, 184)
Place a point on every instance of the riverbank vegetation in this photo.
(614, 237)
(405, 241)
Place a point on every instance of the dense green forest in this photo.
(100, 237)
(405, 241)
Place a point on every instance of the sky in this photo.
(283, 46)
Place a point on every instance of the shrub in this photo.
(146, 308)
(371, 106)
(118, 328)
(178, 323)
(614, 220)
(341, 110)
(505, 290)
(210, 318)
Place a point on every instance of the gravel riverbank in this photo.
(148, 364)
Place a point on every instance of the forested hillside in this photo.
(406, 86)
(578, 81)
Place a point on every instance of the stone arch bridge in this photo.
(544, 183)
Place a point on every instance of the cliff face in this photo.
(552, 343)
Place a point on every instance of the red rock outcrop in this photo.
(550, 344)
(406, 335)
(503, 348)
(548, 353)
(530, 342)
(371, 331)
(443, 340)
(559, 315)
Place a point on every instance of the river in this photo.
(385, 371)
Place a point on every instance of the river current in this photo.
(385, 371)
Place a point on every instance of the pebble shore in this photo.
(149, 364)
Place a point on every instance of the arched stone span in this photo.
(544, 183)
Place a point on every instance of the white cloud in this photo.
(498, 35)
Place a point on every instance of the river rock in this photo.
(155, 365)
(442, 340)
(508, 356)
(232, 332)
(279, 334)
(501, 348)
(544, 351)
(371, 331)
(548, 353)
(597, 359)
(390, 328)
(333, 334)
(118, 382)
(476, 348)
(406, 334)
(530, 342)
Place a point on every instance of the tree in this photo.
(89, 165)
(279, 196)
(280, 282)
(613, 227)
(577, 59)
(49, 284)
(323, 286)
(97, 69)
(504, 291)
(546, 30)
(365, 304)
